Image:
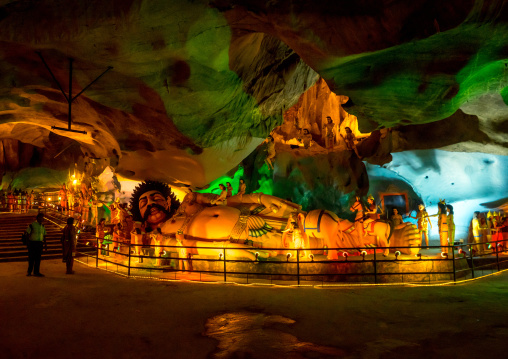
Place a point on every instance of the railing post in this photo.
(472, 262)
(453, 259)
(129, 267)
(224, 258)
(97, 254)
(298, 265)
(375, 267)
(497, 256)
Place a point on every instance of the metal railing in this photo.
(368, 266)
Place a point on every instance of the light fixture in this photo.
(397, 254)
(444, 255)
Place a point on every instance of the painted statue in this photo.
(451, 225)
(229, 189)
(396, 218)
(270, 151)
(423, 221)
(63, 198)
(329, 136)
(477, 235)
(249, 223)
(442, 223)
(242, 188)
(350, 141)
(306, 138)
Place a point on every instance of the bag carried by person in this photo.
(26, 236)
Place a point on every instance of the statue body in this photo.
(250, 222)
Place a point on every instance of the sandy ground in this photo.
(95, 314)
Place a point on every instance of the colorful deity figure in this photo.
(451, 225)
(477, 234)
(250, 226)
(63, 198)
(442, 223)
(270, 151)
(328, 132)
(423, 222)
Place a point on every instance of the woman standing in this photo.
(69, 240)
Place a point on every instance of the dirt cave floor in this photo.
(95, 314)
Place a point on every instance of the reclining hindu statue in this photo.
(253, 226)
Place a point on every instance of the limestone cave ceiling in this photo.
(197, 85)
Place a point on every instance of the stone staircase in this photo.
(13, 225)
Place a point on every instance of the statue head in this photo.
(395, 211)
(421, 207)
(153, 202)
(222, 187)
(449, 207)
(370, 199)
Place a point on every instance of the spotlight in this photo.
(289, 255)
(444, 255)
(418, 255)
(311, 256)
(220, 256)
(164, 253)
(397, 254)
(87, 243)
(363, 253)
(345, 255)
(257, 255)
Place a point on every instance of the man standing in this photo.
(69, 244)
(37, 236)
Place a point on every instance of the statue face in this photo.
(153, 207)
(395, 211)
(420, 207)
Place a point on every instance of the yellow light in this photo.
(75, 181)
(49, 198)
(59, 198)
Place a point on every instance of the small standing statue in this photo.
(242, 188)
(70, 202)
(396, 218)
(350, 141)
(299, 239)
(329, 137)
(477, 235)
(306, 138)
(423, 221)
(63, 198)
(442, 223)
(451, 225)
(270, 148)
(229, 190)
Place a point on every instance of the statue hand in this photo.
(407, 236)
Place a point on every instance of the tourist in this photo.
(69, 240)
(37, 237)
